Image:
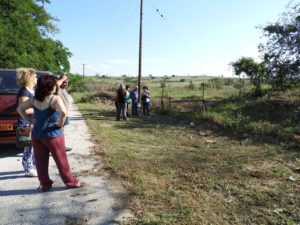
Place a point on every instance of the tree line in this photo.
(25, 37)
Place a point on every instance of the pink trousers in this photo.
(56, 146)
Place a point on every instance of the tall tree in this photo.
(25, 27)
(282, 49)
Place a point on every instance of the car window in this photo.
(8, 82)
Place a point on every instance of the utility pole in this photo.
(83, 65)
(140, 52)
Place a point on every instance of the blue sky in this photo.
(180, 37)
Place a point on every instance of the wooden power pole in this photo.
(83, 70)
(140, 52)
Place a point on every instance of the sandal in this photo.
(45, 187)
(77, 185)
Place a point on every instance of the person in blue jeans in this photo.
(145, 97)
(134, 96)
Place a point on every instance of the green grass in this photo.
(175, 174)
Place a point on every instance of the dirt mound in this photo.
(99, 96)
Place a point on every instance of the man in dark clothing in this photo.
(122, 104)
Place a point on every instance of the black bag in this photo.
(23, 137)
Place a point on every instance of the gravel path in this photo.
(99, 202)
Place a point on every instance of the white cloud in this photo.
(119, 61)
(91, 68)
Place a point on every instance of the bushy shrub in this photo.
(239, 84)
(75, 82)
(191, 85)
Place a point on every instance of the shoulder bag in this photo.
(23, 137)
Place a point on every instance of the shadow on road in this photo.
(11, 175)
(29, 191)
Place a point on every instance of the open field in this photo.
(177, 87)
(182, 173)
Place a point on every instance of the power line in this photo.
(121, 25)
(108, 19)
(184, 43)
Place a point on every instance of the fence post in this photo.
(203, 100)
(202, 85)
(162, 105)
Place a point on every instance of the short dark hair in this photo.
(44, 87)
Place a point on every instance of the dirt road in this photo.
(99, 202)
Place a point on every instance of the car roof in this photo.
(37, 71)
(8, 79)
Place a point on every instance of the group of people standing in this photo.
(124, 98)
(42, 105)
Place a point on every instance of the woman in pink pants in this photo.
(47, 136)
